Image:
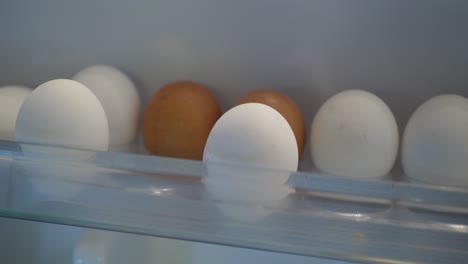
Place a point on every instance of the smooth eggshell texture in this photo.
(249, 136)
(435, 142)
(11, 99)
(59, 113)
(178, 120)
(64, 113)
(8, 112)
(119, 97)
(253, 134)
(283, 104)
(354, 133)
(16, 92)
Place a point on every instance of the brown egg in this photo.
(285, 106)
(178, 120)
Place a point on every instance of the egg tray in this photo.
(305, 213)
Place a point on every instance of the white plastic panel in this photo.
(100, 247)
(404, 51)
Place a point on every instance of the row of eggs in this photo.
(354, 133)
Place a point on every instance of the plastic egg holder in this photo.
(44, 164)
(257, 212)
(244, 193)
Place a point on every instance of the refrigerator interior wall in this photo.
(404, 51)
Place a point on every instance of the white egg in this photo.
(435, 142)
(16, 92)
(354, 133)
(63, 113)
(60, 113)
(119, 98)
(8, 112)
(253, 135)
(11, 99)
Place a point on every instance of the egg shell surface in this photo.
(435, 142)
(11, 99)
(249, 155)
(178, 120)
(63, 113)
(119, 97)
(355, 134)
(283, 104)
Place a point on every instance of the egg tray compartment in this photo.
(325, 216)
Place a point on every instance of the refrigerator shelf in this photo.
(305, 213)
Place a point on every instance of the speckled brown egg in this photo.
(285, 106)
(178, 120)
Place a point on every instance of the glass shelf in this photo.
(305, 213)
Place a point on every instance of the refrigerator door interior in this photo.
(58, 208)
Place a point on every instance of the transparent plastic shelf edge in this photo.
(452, 198)
(443, 198)
(302, 213)
(446, 198)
